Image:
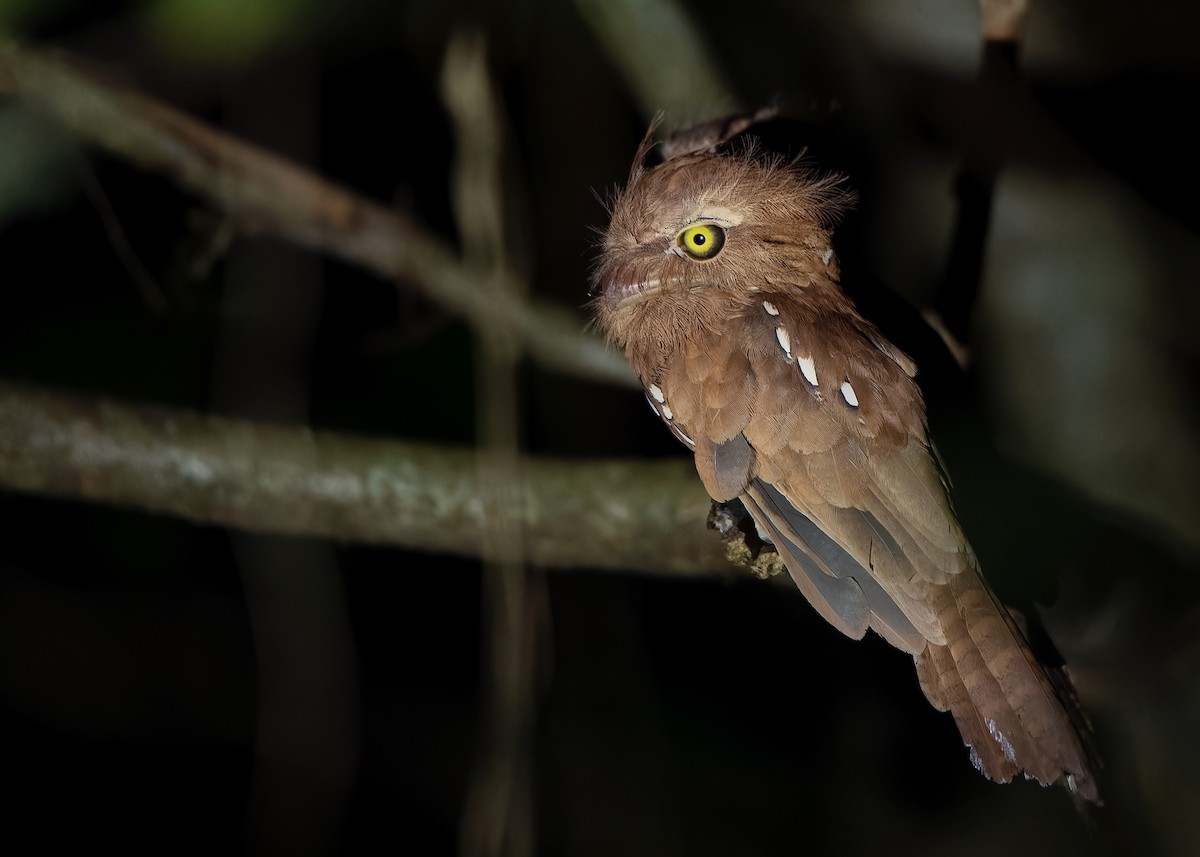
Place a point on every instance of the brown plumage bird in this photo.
(718, 278)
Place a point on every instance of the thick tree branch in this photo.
(620, 515)
(265, 193)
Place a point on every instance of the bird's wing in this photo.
(841, 590)
(832, 461)
(862, 514)
(829, 453)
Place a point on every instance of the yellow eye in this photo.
(702, 241)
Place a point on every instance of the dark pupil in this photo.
(698, 240)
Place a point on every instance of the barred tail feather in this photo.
(1015, 715)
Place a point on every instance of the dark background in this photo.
(138, 653)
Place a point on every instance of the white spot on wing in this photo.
(1004, 743)
(976, 761)
(849, 395)
(808, 369)
(827, 255)
(666, 411)
(657, 393)
(770, 308)
(785, 341)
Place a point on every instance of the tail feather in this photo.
(1012, 712)
(987, 755)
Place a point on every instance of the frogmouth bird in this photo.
(718, 277)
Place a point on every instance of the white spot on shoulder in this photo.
(808, 369)
(785, 341)
(849, 395)
(666, 411)
(770, 308)
(657, 393)
(827, 255)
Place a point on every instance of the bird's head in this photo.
(692, 238)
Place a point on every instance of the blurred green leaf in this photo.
(226, 32)
(14, 11)
(35, 170)
(16, 15)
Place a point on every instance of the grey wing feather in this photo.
(840, 601)
(824, 564)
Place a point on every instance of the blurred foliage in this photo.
(38, 166)
(715, 718)
(227, 32)
(17, 16)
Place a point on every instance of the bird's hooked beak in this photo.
(636, 275)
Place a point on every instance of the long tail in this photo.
(1015, 714)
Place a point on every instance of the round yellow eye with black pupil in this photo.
(701, 241)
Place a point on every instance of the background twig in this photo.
(498, 815)
(264, 193)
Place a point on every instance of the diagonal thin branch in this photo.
(265, 193)
(679, 74)
(619, 515)
(975, 185)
